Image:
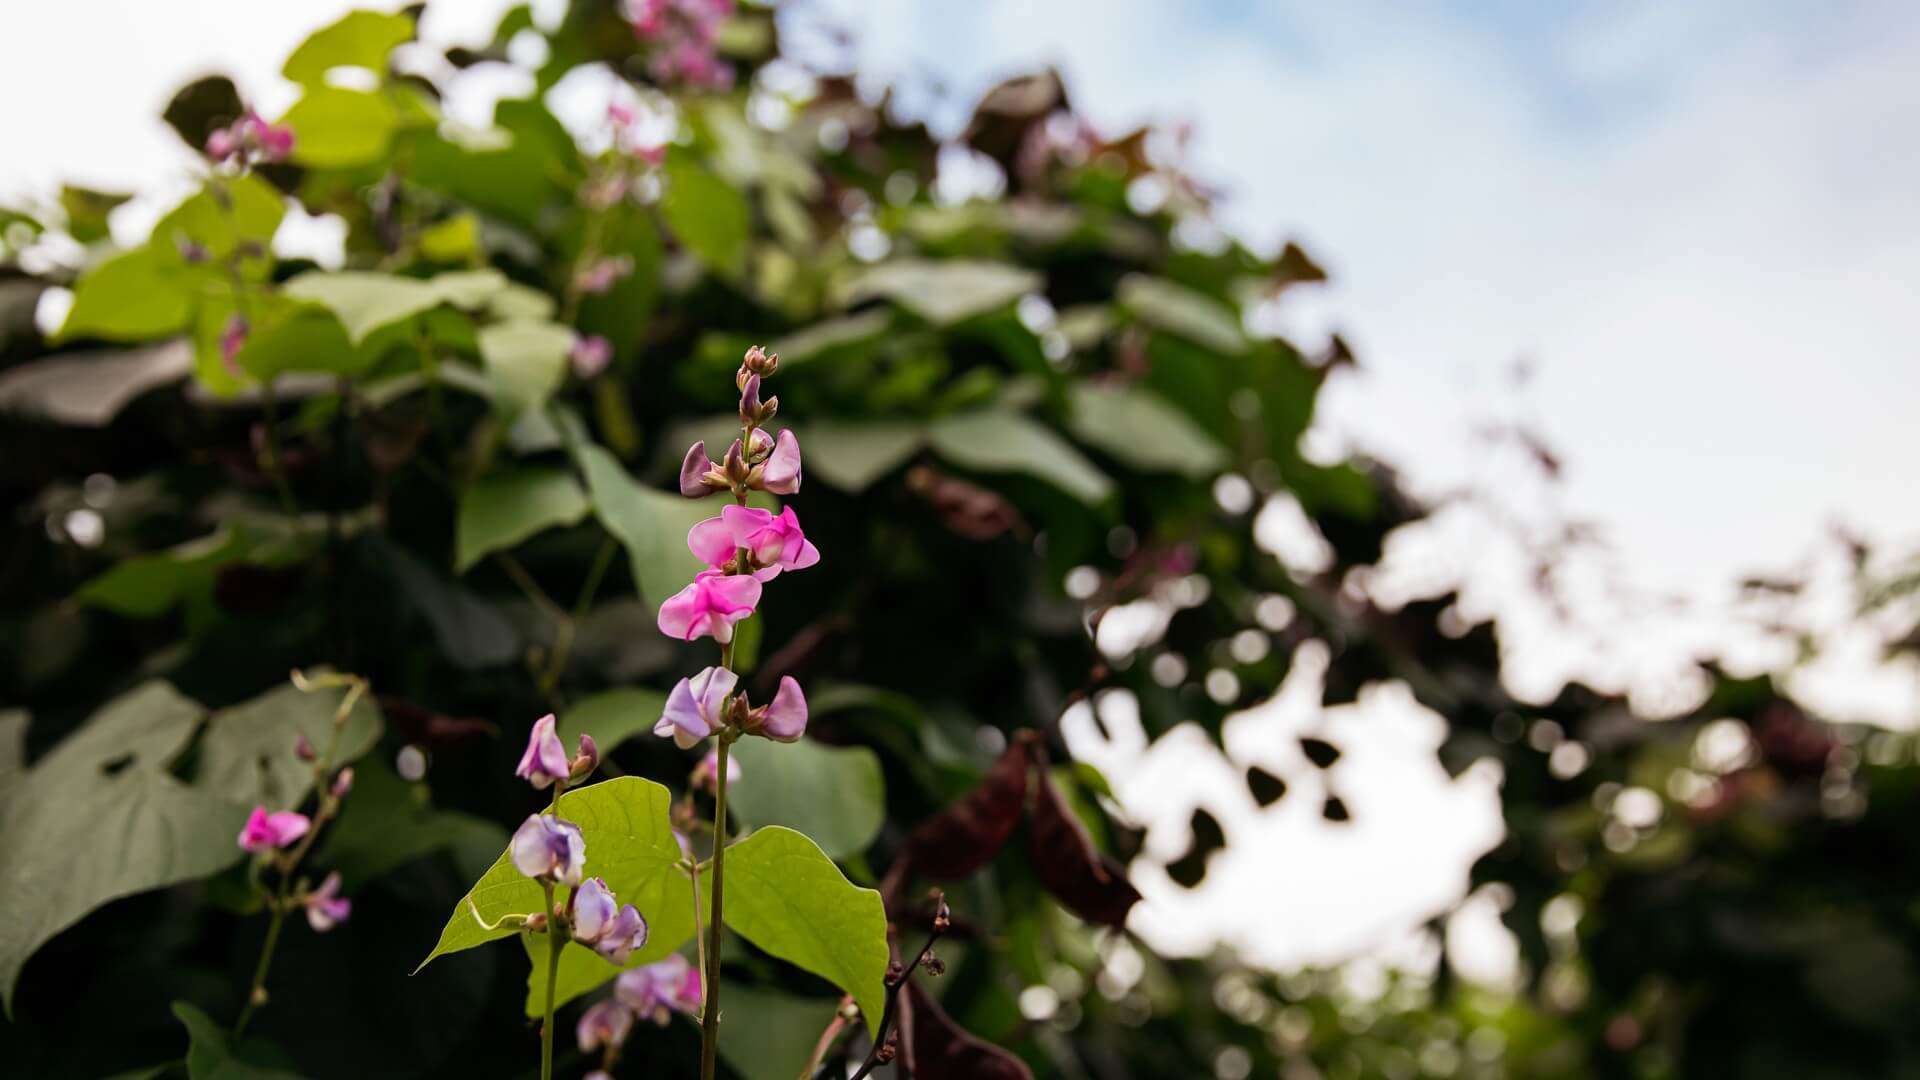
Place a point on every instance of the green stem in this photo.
(553, 978)
(710, 1014)
(258, 991)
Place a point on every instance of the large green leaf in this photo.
(211, 1054)
(852, 454)
(526, 360)
(88, 389)
(98, 819)
(1170, 306)
(651, 524)
(134, 296)
(944, 292)
(506, 507)
(785, 1029)
(998, 440)
(708, 215)
(1140, 428)
(787, 897)
(249, 755)
(229, 213)
(834, 794)
(147, 586)
(612, 716)
(630, 844)
(365, 301)
(472, 633)
(334, 127)
(822, 338)
(359, 39)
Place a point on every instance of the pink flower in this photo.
(603, 274)
(274, 140)
(628, 932)
(693, 472)
(232, 339)
(710, 606)
(265, 832)
(547, 847)
(326, 908)
(773, 543)
(594, 910)
(605, 1024)
(697, 706)
(222, 145)
(660, 989)
(590, 355)
(545, 760)
(786, 718)
(781, 473)
(705, 775)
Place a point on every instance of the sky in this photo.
(1697, 227)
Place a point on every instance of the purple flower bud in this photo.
(232, 339)
(750, 401)
(605, 1024)
(628, 932)
(694, 470)
(342, 782)
(587, 760)
(545, 760)
(326, 908)
(266, 832)
(786, 718)
(660, 988)
(705, 775)
(547, 847)
(303, 749)
(759, 445)
(782, 475)
(594, 911)
(591, 355)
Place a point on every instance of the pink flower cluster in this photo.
(682, 34)
(653, 992)
(251, 139)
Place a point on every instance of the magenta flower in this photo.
(605, 1024)
(590, 355)
(710, 606)
(547, 847)
(545, 760)
(781, 473)
(265, 832)
(275, 141)
(326, 908)
(705, 775)
(786, 718)
(232, 340)
(594, 910)
(697, 706)
(660, 989)
(773, 543)
(628, 932)
(694, 471)
(222, 144)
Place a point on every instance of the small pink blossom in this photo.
(786, 718)
(709, 606)
(781, 473)
(660, 989)
(594, 910)
(265, 832)
(326, 908)
(222, 144)
(232, 340)
(544, 760)
(697, 706)
(693, 472)
(275, 141)
(705, 775)
(774, 543)
(590, 355)
(605, 1024)
(628, 932)
(547, 847)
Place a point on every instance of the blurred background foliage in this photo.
(1020, 412)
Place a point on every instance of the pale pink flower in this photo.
(697, 706)
(605, 1024)
(774, 543)
(544, 760)
(660, 989)
(326, 908)
(786, 718)
(265, 832)
(709, 606)
(781, 473)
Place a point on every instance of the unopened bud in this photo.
(737, 470)
(738, 711)
(343, 782)
(750, 401)
(303, 748)
(587, 760)
(760, 362)
(759, 445)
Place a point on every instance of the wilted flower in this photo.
(781, 473)
(709, 606)
(590, 355)
(545, 760)
(773, 543)
(547, 847)
(326, 908)
(265, 832)
(697, 705)
(786, 715)
(660, 989)
(706, 774)
(606, 1023)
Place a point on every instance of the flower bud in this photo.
(587, 760)
(736, 469)
(760, 362)
(698, 473)
(759, 445)
(706, 775)
(343, 782)
(750, 401)
(303, 748)
(544, 760)
(606, 1023)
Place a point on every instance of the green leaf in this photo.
(456, 239)
(97, 819)
(359, 39)
(1140, 428)
(506, 507)
(823, 337)
(787, 897)
(996, 440)
(87, 212)
(334, 127)
(834, 794)
(944, 292)
(220, 219)
(1173, 307)
(365, 301)
(612, 716)
(652, 525)
(133, 296)
(148, 586)
(708, 215)
(212, 1056)
(852, 454)
(389, 822)
(630, 844)
(471, 632)
(785, 1029)
(526, 361)
(88, 389)
(248, 754)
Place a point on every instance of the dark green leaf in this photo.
(504, 508)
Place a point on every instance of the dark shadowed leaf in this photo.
(1265, 787)
(202, 107)
(212, 1055)
(936, 1048)
(966, 835)
(1088, 883)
